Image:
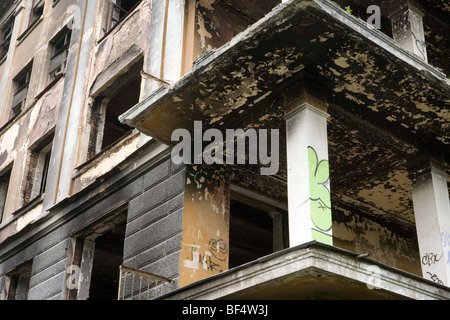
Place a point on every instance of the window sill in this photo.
(28, 30)
(29, 205)
(85, 166)
(50, 85)
(14, 119)
(10, 122)
(23, 210)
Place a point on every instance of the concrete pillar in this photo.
(309, 201)
(407, 27)
(165, 46)
(87, 260)
(432, 215)
(59, 181)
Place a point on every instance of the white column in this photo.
(432, 215)
(407, 27)
(309, 201)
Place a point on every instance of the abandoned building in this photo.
(92, 205)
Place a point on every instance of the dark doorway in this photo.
(108, 256)
(251, 233)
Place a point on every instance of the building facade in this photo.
(224, 149)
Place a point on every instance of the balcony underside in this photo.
(358, 69)
(311, 271)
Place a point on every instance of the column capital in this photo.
(305, 92)
(425, 167)
(305, 105)
(402, 6)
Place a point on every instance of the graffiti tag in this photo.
(430, 258)
(73, 278)
(435, 278)
(319, 174)
(210, 259)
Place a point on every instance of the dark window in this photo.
(4, 184)
(37, 10)
(126, 98)
(255, 230)
(98, 253)
(108, 256)
(60, 50)
(5, 37)
(250, 234)
(106, 129)
(118, 10)
(21, 83)
(38, 167)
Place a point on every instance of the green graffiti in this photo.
(319, 174)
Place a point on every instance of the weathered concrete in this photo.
(407, 28)
(321, 271)
(432, 215)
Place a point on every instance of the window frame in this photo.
(38, 165)
(5, 42)
(5, 180)
(65, 35)
(35, 6)
(13, 279)
(112, 22)
(22, 89)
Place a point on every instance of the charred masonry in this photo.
(92, 207)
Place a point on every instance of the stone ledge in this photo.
(312, 271)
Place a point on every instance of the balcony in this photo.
(385, 107)
(312, 271)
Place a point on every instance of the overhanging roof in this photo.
(362, 71)
(312, 271)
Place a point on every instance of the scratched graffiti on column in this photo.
(430, 258)
(219, 249)
(210, 259)
(421, 46)
(319, 175)
(435, 278)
